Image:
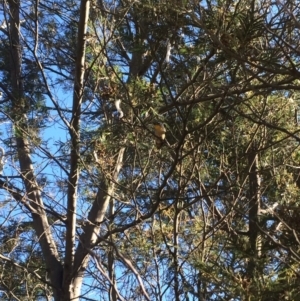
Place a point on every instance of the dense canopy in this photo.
(150, 150)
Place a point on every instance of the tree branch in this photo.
(74, 130)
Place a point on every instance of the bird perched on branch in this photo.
(160, 134)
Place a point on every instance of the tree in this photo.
(92, 208)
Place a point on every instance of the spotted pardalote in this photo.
(160, 134)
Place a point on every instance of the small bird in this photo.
(160, 134)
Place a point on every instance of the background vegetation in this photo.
(91, 209)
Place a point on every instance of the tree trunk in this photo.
(71, 288)
(254, 209)
(34, 200)
(176, 266)
(111, 260)
(90, 230)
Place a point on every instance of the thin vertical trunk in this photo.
(111, 262)
(254, 209)
(159, 295)
(175, 254)
(70, 292)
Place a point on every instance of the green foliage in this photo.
(213, 214)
